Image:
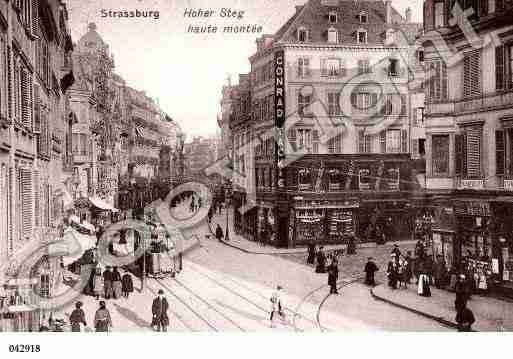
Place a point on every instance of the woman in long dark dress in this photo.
(127, 285)
(392, 275)
(311, 254)
(116, 283)
(321, 261)
(370, 269)
(102, 320)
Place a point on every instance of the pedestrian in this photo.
(77, 317)
(311, 253)
(419, 249)
(127, 285)
(159, 310)
(397, 252)
(440, 272)
(423, 285)
(321, 261)
(102, 320)
(98, 283)
(210, 215)
(392, 273)
(409, 267)
(219, 233)
(461, 293)
(276, 305)
(333, 276)
(351, 245)
(116, 283)
(465, 318)
(107, 282)
(370, 269)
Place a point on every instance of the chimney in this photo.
(408, 15)
(388, 11)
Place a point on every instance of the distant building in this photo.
(199, 154)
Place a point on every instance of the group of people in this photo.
(111, 284)
(321, 267)
(103, 320)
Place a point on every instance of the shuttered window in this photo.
(503, 67)
(474, 135)
(37, 199)
(26, 202)
(35, 18)
(404, 141)
(37, 110)
(460, 154)
(500, 158)
(472, 74)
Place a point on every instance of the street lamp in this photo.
(228, 198)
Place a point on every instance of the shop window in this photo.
(440, 155)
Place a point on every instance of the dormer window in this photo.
(363, 17)
(332, 16)
(332, 35)
(302, 35)
(361, 36)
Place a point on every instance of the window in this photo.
(364, 142)
(363, 17)
(332, 17)
(472, 74)
(404, 104)
(504, 67)
(393, 141)
(331, 67)
(305, 140)
(437, 81)
(335, 144)
(364, 67)
(361, 36)
(332, 35)
(303, 101)
(363, 101)
(389, 37)
(334, 103)
(393, 67)
(303, 67)
(440, 155)
(420, 56)
(302, 35)
(439, 14)
(388, 107)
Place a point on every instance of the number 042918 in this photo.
(24, 348)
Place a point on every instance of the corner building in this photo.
(348, 100)
(469, 128)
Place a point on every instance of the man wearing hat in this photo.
(461, 293)
(159, 309)
(370, 269)
(77, 317)
(107, 283)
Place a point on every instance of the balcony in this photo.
(473, 183)
(494, 101)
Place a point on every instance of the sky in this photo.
(185, 71)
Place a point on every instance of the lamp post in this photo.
(228, 197)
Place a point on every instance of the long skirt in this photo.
(117, 289)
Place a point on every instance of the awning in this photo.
(72, 246)
(101, 204)
(84, 224)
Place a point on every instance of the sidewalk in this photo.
(241, 243)
(489, 312)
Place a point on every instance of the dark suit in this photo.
(159, 310)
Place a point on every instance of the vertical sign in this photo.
(279, 114)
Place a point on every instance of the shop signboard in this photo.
(279, 113)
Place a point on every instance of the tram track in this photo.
(204, 301)
(186, 305)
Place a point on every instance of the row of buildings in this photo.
(356, 121)
(74, 138)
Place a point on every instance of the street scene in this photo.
(332, 166)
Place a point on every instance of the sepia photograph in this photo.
(244, 166)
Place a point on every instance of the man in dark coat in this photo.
(107, 283)
(159, 310)
(461, 293)
(370, 269)
(333, 276)
(465, 318)
(219, 233)
(397, 253)
(77, 317)
(127, 285)
(321, 261)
